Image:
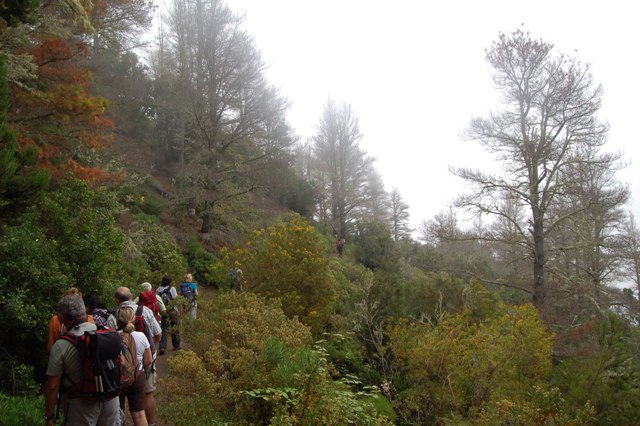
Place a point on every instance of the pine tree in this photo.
(20, 180)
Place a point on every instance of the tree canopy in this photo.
(547, 127)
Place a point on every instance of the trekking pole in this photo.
(58, 403)
(97, 371)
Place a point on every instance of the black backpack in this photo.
(165, 295)
(102, 373)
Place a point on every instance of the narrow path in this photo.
(162, 368)
(162, 361)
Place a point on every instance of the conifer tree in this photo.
(20, 179)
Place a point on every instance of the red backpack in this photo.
(102, 370)
(148, 298)
(140, 326)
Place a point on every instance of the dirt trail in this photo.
(162, 369)
(162, 364)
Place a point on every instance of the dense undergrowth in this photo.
(302, 334)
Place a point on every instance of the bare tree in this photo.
(443, 227)
(586, 246)
(546, 123)
(631, 252)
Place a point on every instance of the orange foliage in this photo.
(92, 175)
(60, 115)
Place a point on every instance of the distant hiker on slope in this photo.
(340, 246)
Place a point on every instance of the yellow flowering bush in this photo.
(189, 381)
(250, 364)
(465, 362)
(287, 261)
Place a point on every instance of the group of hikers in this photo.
(102, 359)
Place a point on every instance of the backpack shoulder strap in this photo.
(70, 338)
(75, 341)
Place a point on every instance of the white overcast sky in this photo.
(414, 73)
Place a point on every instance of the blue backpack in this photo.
(187, 292)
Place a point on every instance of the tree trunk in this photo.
(539, 285)
(207, 218)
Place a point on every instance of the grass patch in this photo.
(21, 410)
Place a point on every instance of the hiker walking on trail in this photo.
(340, 246)
(151, 300)
(236, 278)
(55, 328)
(135, 393)
(65, 373)
(97, 310)
(146, 323)
(144, 317)
(189, 290)
(171, 318)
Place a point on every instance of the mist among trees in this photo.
(122, 162)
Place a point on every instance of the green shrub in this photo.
(253, 365)
(382, 405)
(153, 244)
(17, 379)
(138, 199)
(69, 239)
(468, 360)
(152, 207)
(81, 221)
(32, 278)
(374, 247)
(427, 295)
(146, 218)
(189, 381)
(604, 371)
(228, 340)
(21, 410)
(541, 407)
(344, 352)
(200, 261)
